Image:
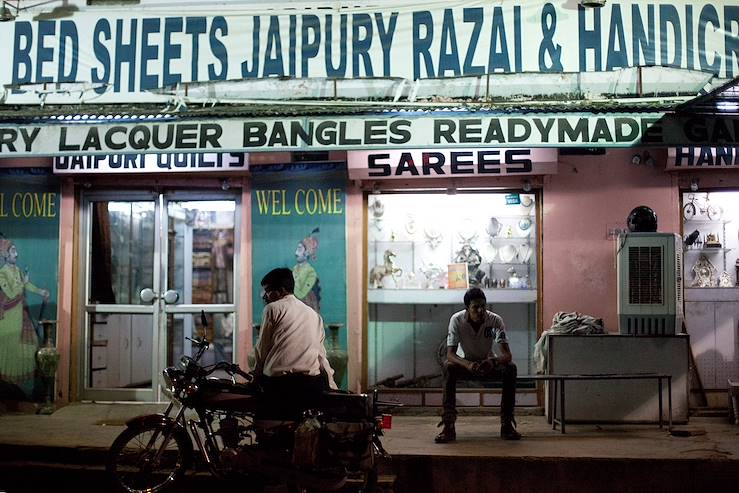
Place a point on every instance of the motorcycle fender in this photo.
(151, 419)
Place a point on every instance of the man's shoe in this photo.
(508, 432)
(448, 434)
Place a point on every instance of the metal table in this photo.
(558, 394)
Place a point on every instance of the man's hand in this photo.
(486, 366)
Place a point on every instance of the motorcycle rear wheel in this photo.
(140, 461)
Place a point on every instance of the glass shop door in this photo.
(153, 262)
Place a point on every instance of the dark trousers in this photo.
(288, 396)
(505, 374)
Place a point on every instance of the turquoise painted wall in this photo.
(288, 204)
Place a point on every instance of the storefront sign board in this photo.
(322, 133)
(694, 158)
(118, 56)
(417, 163)
(132, 164)
(422, 130)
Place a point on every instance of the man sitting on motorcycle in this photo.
(291, 364)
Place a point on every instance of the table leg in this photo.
(553, 404)
(669, 402)
(659, 393)
(562, 403)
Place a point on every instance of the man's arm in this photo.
(505, 354)
(453, 359)
(264, 344)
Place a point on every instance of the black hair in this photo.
(474, 294)
(282, 277)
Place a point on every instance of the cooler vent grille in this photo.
(645, 275)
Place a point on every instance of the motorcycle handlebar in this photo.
(231, 369)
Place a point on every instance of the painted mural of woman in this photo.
(307, 284)
(18, 340)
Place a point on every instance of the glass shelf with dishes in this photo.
(709, 240)
(412, 248)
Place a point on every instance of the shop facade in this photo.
(537, 244)
(195, 209)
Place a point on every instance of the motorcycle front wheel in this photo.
(148, 458)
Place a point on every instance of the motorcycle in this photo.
(214, 415)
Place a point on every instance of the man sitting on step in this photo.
(470, 356)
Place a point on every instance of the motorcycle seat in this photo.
(346, 405)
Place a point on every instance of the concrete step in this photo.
(709, 412)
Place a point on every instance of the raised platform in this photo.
(700, 457)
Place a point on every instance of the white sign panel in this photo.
(151, 163)
(417, 163)
(695, 158)
(441, 130)
(119, 54)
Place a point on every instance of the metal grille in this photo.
(645, 275)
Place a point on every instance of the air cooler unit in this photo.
(650, 284)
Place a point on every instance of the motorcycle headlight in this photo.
(191, 389)
(170, 378)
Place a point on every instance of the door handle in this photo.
(171, 296)
(147, 295)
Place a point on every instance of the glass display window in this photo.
(711, 286)
(424, 250)
(711, 239)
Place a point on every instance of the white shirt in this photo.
(475, 345)
(291, 340)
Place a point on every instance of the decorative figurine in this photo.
(433, 275)
(724, 280)
(703, 270)
(513, 280)
(410, 224)
(377, 208)
(493, 228)
(712, 241)
(433, 236)
(379, 272)
(473, 259)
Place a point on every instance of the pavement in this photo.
(699, 456)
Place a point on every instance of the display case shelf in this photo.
(707, 221)
(448, 296)
(707, 249)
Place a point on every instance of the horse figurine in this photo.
(378, 272)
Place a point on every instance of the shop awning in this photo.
(722, 101)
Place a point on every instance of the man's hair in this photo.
(474, 294)
(282, 277)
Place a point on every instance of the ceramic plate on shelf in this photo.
(524, 253)
(493, 227)
(527, 201)
(524, 226)
(507, 254)
(491, 252)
